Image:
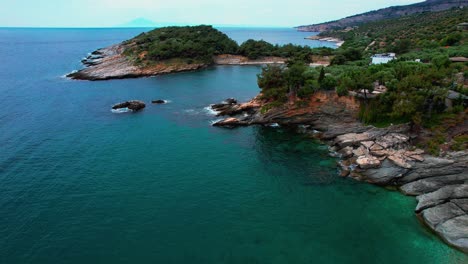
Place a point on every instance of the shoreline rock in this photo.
(133, 105)
(338, 42)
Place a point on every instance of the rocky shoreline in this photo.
(336, 41)
(381, 156)
(111, 63)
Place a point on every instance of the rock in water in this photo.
(230, 101)
(159, 101)
(133, 105)
(230, 122)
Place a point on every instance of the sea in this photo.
(82, 184)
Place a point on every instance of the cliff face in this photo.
(386, 13)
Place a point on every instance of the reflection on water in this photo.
(289, 153)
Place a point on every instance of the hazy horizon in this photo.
(242, 13)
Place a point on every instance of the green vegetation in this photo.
(192, 44)
(415, 92)
(254, 49)
(427, 30)
(199, 44)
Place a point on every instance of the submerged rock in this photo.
(133, 105)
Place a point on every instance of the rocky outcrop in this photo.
(382, 156)
(230, 107)
(159, 101)
(111, 63)
(133, 105)
(324, 111)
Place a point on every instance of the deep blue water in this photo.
(80, 184)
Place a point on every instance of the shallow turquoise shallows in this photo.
(80, 184)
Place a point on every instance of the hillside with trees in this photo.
(198, 44)
(415, 91)
(385, 13)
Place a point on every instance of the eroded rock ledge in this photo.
(382, 156)
(110, 63)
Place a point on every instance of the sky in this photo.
(110, 13)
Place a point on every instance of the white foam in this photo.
(210, 110)
(212, 122)
(121, 110)
(65, 75)
(274, 125)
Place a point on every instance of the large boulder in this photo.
(442, 195)
(386, 174)
(368, 162)
(431, 184)
(441, 213)
(399, 160)
(351, 139)
(133, 105)
(437, 167)
(455, 232)
(446, 212)
(393, 140)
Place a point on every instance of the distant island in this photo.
(139, 23)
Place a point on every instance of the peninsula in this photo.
(177, 49)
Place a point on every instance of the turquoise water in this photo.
(80, 184)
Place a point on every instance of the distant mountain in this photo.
(139, 22)
(386, 13)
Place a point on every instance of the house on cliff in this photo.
(462, 26)
(383, 58)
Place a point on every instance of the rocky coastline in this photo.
(381, 156)
(111, 63)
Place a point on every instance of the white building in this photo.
(383, 58)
